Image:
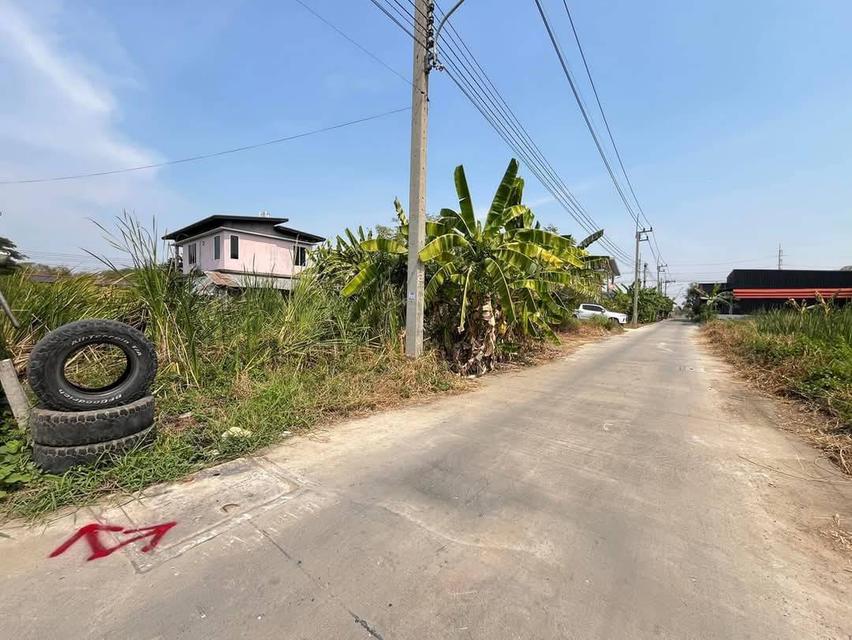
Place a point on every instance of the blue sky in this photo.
(733, 119)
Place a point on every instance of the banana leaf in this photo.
(361, 280)
(585, 242)
(493, 220)
(498, 279)
(465, 203)
(463, 312)
(443, 244)
(388, 245)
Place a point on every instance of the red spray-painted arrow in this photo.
(90, 533)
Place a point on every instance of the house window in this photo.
(191, 253)
(235, 247)
(300, 256)
(217, 247)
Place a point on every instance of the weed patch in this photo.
(805, 355)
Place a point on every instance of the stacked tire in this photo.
(77, 425)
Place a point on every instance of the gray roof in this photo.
(263, 224)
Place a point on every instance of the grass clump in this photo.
(602, 322)
(806, 353)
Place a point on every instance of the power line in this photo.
(546, 173)
(209, 155)
(410, 33)
(583, 111)
(726, 262)
(357, 44)
(601, 109)
(478, 88)
(526, 140)
(659, 257)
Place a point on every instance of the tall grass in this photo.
(264, 360)
(821, 323)
(806, 353)
(42, 307)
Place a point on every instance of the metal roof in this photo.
(788, 279)
(207, 279)
(265, 224)
(216, 220)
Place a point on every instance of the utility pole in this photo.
(780, 256)
(639, 238)
(660, 267)
(424, 21)
(644, 275)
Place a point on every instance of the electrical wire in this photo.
(208, 155)
(551, 34)
(410, 33)
(523, 134)
(658, 256)
(478, 88)
(547, 173)
(343, 35)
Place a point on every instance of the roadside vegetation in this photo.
(653, 305)
(238, 372)
(800, 352)
(703, 306)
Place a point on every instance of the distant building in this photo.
(243, 251)
(755, 289)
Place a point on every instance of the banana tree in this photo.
(503, 272)
(371, 270)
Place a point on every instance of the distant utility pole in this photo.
(424, 21)
(660, 267)
(644, 275)
(639, 238)
(780, 256)
(666, 287)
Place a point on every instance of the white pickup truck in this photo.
(588, 310)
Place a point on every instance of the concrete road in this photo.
(629, 490)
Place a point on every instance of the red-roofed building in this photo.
(755, 289)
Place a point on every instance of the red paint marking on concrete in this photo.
(90, 533)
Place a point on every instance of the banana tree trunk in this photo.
(474, 353)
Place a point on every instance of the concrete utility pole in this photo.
(639, 238)
(644, 275)
(660, 267)
(424, 21)
(780, 256)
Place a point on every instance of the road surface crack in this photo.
(358, 619)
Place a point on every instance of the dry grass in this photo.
(777, 364)
(838, 534)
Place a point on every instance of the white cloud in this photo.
(60, 116)
(33, 49)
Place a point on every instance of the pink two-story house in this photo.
(242, 251)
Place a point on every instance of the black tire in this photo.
(75, 428)
(60, 459)
(46, 371)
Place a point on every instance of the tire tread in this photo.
(76, 428)
(59, 459)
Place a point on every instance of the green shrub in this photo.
(16, 467)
